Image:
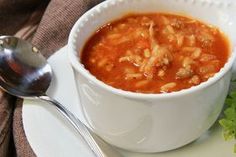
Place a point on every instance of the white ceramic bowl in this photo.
(151, 122)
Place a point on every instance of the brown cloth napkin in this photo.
(47, 24)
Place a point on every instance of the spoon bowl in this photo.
(24, 71)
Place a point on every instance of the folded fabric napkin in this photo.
(47, 25)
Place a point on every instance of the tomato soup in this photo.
(155, 53)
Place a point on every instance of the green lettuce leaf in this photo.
(228, 122)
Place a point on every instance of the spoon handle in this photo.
(78, 125)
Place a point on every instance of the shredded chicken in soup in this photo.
(155, 53)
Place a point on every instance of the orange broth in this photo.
(155, 53)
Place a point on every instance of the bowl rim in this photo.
(72, 55)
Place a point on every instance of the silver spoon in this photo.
(25, 73)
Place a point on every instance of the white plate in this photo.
(51, 136)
